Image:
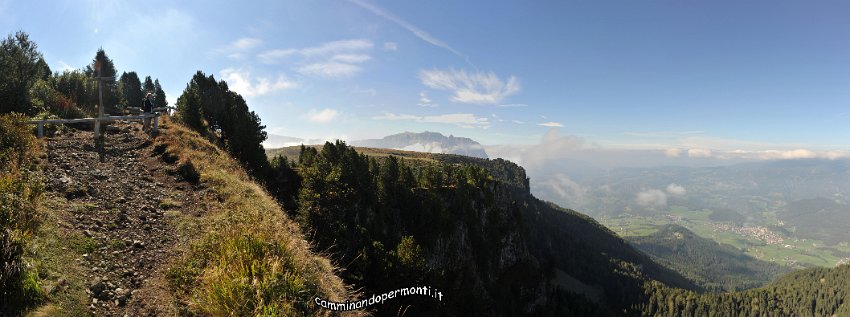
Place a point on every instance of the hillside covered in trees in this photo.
(597, 273)
(715, 267)
(468, 227)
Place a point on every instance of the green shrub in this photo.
(20, 190)
(410, 253)
(16, 142)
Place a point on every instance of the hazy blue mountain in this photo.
(431, 142)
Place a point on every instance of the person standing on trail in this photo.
(147, 108)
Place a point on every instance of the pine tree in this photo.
(189, 109)
(148, 86)
(131, 90)
(160, 100)
(111, 96)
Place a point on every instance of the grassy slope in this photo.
(247, 257)
(244, 257)
(55, 253)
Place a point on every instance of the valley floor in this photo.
(764, 242)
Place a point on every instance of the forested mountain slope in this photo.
(713, 266)
(470, 228)
(809, 292)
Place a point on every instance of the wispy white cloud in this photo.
(246, 43)
(240, 81)
(64, 66)
(476, 88)
(662, 134)
(652, 198)
(424, 101)
(565, 188)
(692, 144)
(330, 69)
(551, 124)
(421, 34)
(273, 56)
(464, 120)
(328, 48)
(518, 122)
(552, 147)
(351, 58)
(672, 152)
(390, 46)
(512, 105)
(238, 48)
(656, 198)
(676, 189)
(699, 153)
(335, 59)
(368, 91)
(783, 155)
(323, 116)
(338, 46)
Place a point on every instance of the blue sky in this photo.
(747, 76)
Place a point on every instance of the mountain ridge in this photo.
(427, 141)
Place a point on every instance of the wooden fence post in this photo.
(155, 122)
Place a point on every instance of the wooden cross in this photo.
(100, 80)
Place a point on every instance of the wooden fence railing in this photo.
(98, 120)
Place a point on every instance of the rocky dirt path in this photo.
(119, 204)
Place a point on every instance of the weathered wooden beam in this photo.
(105, 118)
(97, 121)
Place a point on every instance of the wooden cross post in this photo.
(100, 80)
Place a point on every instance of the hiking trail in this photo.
(119, 202)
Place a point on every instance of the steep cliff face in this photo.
(480, 237)
(516, 255)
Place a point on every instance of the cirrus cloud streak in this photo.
(471, 87)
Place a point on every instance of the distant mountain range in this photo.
(431, 142)
(428, 142)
